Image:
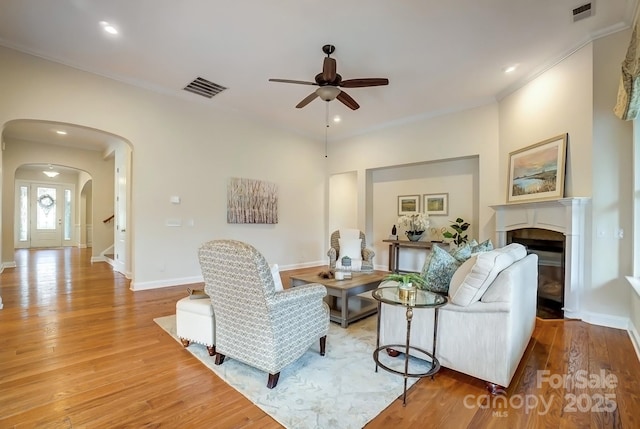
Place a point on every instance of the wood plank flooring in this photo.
(78, 349)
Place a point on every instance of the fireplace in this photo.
(550, 248)
(558, 223)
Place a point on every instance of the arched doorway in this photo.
(98, 157)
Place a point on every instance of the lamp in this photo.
(328, 93)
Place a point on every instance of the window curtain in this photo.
(628, 104)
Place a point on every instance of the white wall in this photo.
(188, 149)
(467, 134)
(343, 201)
(577, 97)
(458, 177)
(612, 193)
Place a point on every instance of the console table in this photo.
(396, 245)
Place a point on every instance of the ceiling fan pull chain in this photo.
(326, 128)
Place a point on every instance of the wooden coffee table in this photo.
(342, 295)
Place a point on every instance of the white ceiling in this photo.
(439, 56)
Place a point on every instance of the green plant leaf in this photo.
(414, 278)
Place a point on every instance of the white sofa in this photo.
(485, 328)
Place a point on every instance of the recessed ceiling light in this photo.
(108, 27)
(337, 118)
(510, 69)
(61, 132)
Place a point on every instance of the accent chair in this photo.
(352, 243)
(255, 324)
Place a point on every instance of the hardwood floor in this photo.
(78, 349)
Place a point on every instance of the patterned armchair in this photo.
(334, 252)
(255, 324)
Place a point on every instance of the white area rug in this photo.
(338, 390)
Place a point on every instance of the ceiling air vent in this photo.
(582, 12)
(204, 87)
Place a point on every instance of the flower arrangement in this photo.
(415, 222)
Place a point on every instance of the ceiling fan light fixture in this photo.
(328, 93)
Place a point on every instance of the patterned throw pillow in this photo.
(438, 270)
(461, 253)
(485, 246)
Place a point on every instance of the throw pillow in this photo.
(475, 276)
(277, 281)
(485, 246)
(461, 253)
(438, 270)
(351, 248)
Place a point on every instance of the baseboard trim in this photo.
(10, 264)
(98, 259)
(158, 284)
(635, 338)
(303, 265)
(605, 320)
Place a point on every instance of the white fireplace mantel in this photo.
(566, 216)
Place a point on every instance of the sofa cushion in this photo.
(474, 277)
(461, 253)
(438, 269)
(485, 246)
(350, 247)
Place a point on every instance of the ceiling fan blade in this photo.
(300, 82)
(308, 99)
(346, 99)
(361, 83)
(329, 69)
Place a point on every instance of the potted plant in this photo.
(407, 284)
(459, 235)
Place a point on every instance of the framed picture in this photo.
(537, 172)
(408, 204)
(436, 204)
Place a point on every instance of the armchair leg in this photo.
(273, 380)
(323, 345)
(494, 389)
(219, 359)
(211, 350)
(185, 343)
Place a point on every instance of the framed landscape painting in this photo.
(436, 204)
(408, 204)
(537, 172)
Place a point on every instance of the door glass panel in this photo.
(67, 214)
(23, 222)
(46, 208)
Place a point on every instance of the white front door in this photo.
(44, 214)
(47, 208)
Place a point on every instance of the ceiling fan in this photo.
(330, 82)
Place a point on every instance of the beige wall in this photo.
(457, 177)
(471, 133)
(183, 148)
(577, 97)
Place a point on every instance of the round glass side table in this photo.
(423, 299)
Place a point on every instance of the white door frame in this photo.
(60, 213)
